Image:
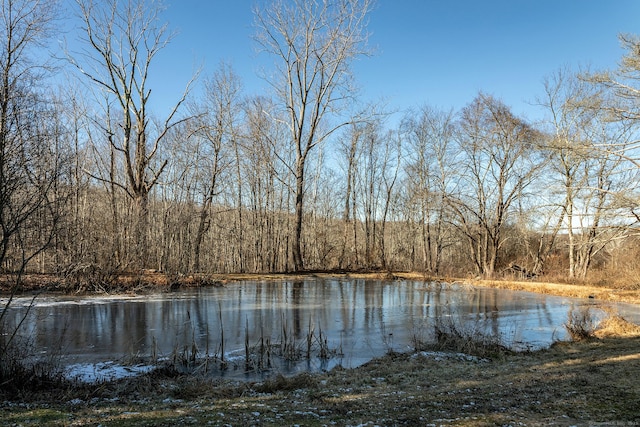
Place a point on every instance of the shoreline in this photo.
(152, 281)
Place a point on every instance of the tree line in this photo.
(94, 182)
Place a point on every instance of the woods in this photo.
(95, 182)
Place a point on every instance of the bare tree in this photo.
(373, 158)
(314, 43)
(24, 27)
(122, 39)
(350, 148)
(591, 154)
(390, 168)
(623, 107)
(624, 84)
(264, 188)
(368, 185)
(500, 158)
(31, 151)
(73, 246)
(216, 125)
(430, 163)
(570, 149)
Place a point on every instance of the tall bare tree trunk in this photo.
(296, 250)
(315, 44)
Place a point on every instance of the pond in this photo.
(286, 327)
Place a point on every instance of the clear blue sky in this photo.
(437, 52)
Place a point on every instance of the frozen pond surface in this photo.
(359, 320)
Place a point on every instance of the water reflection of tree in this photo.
(350, 313)
(297, 291)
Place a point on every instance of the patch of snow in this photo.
(307, 413)
(443, 355)
(104, 371)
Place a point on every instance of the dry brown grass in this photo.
(568, 290)
(589, 382)
(616, 326)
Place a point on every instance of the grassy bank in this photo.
(579, 383)
(601, 293)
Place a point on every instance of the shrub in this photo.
(21, 373)
(468, 339)
(581, 323)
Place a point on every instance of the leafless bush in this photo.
(21, 372)
(89, 277)
(581, 323)
(467, 338)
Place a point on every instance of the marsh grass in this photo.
(21, 373)
(258, 355)
(23, 370)
(581, 323)
(449, 334)
(186, 353)
(471, 340)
